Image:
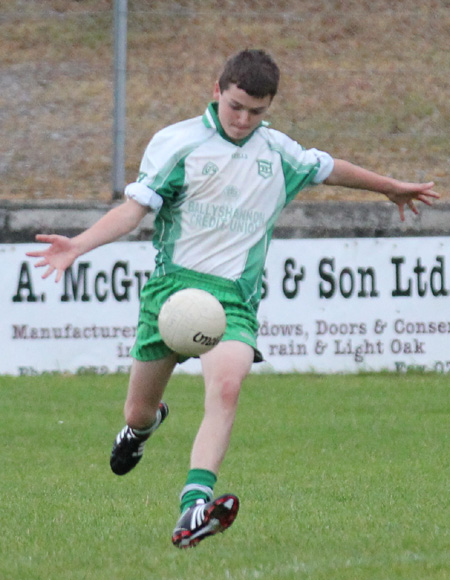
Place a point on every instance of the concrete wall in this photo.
(20, 222)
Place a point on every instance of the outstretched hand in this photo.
(413, 192)
(58, 256)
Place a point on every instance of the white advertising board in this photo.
(330, 305)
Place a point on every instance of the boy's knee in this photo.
(137, 416)
(229, 393)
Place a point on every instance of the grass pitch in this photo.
(340, 478)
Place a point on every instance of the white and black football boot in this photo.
(205, 519)
(128, 447)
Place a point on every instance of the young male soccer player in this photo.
(218, 183)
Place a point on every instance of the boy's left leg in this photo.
(224, 368)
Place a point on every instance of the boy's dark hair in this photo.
(253, 71)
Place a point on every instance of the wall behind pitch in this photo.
(21, 221)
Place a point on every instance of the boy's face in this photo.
(239, 113)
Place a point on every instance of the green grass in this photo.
(340, 478)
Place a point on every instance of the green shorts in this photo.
(242, 324)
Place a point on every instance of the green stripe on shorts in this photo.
(242, 324)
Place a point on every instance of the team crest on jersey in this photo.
(264, 168)
(210, 168)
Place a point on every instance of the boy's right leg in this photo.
(148, 380)
(144, 411)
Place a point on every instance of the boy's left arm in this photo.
(401, 193)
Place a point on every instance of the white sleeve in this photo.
(326, 165)
(144, 195)
(301, 159)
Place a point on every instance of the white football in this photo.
(192, 321)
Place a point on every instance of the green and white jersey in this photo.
(221, 199)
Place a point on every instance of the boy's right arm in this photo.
(63, 251)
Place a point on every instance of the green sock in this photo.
(199, 485)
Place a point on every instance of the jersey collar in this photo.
(211, 120)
